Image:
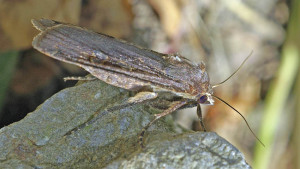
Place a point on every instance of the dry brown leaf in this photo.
(108, 17)
(169, 13)
(16, 31)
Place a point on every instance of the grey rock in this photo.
(74, 129)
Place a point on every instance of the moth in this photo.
(130, 67)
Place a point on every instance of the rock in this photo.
(64, 132)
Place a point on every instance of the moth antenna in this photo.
(234, 71)
(241, 116)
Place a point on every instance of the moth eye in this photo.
(203, 99)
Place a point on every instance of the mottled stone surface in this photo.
(43, 138)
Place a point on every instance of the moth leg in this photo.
(87, 78)
(199, 113)
(142, 96)
(174, 106)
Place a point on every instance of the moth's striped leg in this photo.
(199, 113)
(86, 78)
(174, 106)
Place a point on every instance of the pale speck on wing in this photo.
(100, 55)
(177, 58)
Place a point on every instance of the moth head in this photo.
(206, 98)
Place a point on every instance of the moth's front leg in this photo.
(174, 106)
(199, 113)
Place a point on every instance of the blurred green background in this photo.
(221, 33)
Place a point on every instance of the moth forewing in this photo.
(118, 63)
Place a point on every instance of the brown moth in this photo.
(128, 66)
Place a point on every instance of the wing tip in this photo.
(43, 24)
